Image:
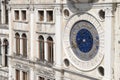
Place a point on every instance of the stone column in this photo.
(32, 75)
(3, 55)
(58, 34)
(109, 43)
(117, 45)
(21, 45)
(45, 16)
(32, 34)
(11, 75)
(46, 48)
(3, 12)
(58, 41)
(21, 75)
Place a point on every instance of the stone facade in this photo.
(4, 40)
(36, 43)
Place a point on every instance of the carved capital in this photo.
(58, 10)
(31, 8)
(109, 11)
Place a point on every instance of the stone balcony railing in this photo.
(4, 26)
(19, 57)
(37, 60)
(44, 62)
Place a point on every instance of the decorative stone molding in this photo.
(83, 65)
(18, 6)
(21, 66)
(45, 72)
(58, 10)
(31, 8)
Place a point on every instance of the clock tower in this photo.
(88, 39)
(84, 41)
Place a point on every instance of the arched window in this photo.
(24, 43)
(0, 47)
(50, 49)
(0, 52)
(5, 45)
(17, 36)
(41, 48)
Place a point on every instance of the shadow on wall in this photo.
(80, 5)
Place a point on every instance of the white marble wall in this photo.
(31, 28)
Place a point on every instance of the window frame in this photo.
(0, 47)
(23, 16)
(41, 44)
(24, 45)
(39, 15)
(17, 39)
(17, 74)
(42, 78)
(15, 14)
(20, 15)
(51, 21)
(25, 75)
(6, 45)
(45, 16)
(50, 45)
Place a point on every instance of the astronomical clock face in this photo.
(84, 41)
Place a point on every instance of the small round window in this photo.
(66, 61)
(66, 13)
(101, 70)
(102, 14)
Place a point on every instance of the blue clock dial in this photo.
(84, 40)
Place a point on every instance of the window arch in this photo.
(0, 47)
(24, 43)
(17, 36)
(5, 45)
(0, 52)
(41, 48)
(50, 49)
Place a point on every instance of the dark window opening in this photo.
(41, 78)
(66, 61)
(41, 48)
(5, 44)
(50, 49)
(17, 43)
(0, 48)
(49, 16)
(0, 17)
(16, 15)
(66, 13)
(25, 76)
(0, 53)
(101, 70)
(23, 15)
(24, 39)
(17, 75)
(41, 15)
(7, 17)
(102, 14)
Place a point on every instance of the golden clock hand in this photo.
(74, 45)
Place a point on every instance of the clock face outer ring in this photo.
(84, 40)
(84, 65)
